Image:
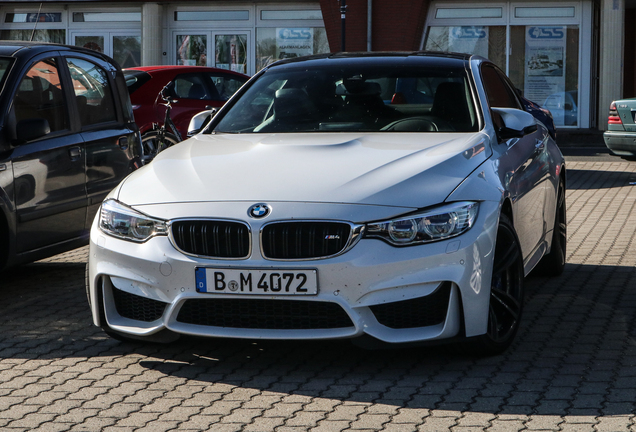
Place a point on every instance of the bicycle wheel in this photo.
(151, 146)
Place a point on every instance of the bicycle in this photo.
(161, 137)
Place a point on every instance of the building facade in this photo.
(573, 57)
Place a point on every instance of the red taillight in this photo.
(613, 118)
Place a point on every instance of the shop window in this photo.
(544, 12)
(240, 15)
(291, 14)
(486, 41)
(544, 64)
(92, 92)
(106, 16)
(192, 50)
(127, 50)
(278, 43)
(40, 95)
(39, 35)
(95, 43)
(230, 52)
(33, 17)
(484, 12)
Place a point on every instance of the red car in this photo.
(193, 88)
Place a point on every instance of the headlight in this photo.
(432, 225)
(126, 223)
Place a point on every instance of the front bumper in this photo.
(374, 289)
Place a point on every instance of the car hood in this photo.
(406, 170)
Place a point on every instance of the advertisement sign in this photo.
(294, 42)
(545, 65)
(469, 40)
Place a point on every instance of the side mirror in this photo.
(513, 123)
(200, 121)
(30, 129)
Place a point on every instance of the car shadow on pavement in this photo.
(575, 353)
(591, 179)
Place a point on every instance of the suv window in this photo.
(191, 86)
(92, 92)
(40, 95)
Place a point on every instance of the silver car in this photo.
(397, 198)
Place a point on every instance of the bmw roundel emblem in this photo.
(259, 211)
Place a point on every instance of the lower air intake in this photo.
(264, 314)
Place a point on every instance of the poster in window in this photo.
(469, 40)
(545, 66)
(294, 42)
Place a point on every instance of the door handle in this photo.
(75, 153)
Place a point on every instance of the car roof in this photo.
(20, 48)
(441, 59)
(180, 69)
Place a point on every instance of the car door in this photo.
(528, 171)
(48, 170)
(108, 132)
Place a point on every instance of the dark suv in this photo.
(67, 137)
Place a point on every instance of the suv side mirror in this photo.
(33, 128)
(513, 123)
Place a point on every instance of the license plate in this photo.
(257, 281)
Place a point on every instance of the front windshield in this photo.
(354, 98)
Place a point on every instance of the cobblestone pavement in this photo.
(572, 367)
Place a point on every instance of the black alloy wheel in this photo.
(506, 293)
(553, 263)
(559, 240)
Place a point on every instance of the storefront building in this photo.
(543, 47)
(573, 57)
(240, 36)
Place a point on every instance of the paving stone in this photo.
(572, 367)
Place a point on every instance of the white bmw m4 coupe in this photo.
(398, 198)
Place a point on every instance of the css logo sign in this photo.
(294, 34)
(469, 32)
(546, 32)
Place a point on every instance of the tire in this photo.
(150, 144)
(553, 263)
(506, 294)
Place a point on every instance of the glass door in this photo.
(191, 49)
(223, 50)
(230, 51)
(124, 47)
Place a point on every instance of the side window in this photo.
(191, 86)
(40, 95)
(498, 91)
(93, 92)
(225, 86)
